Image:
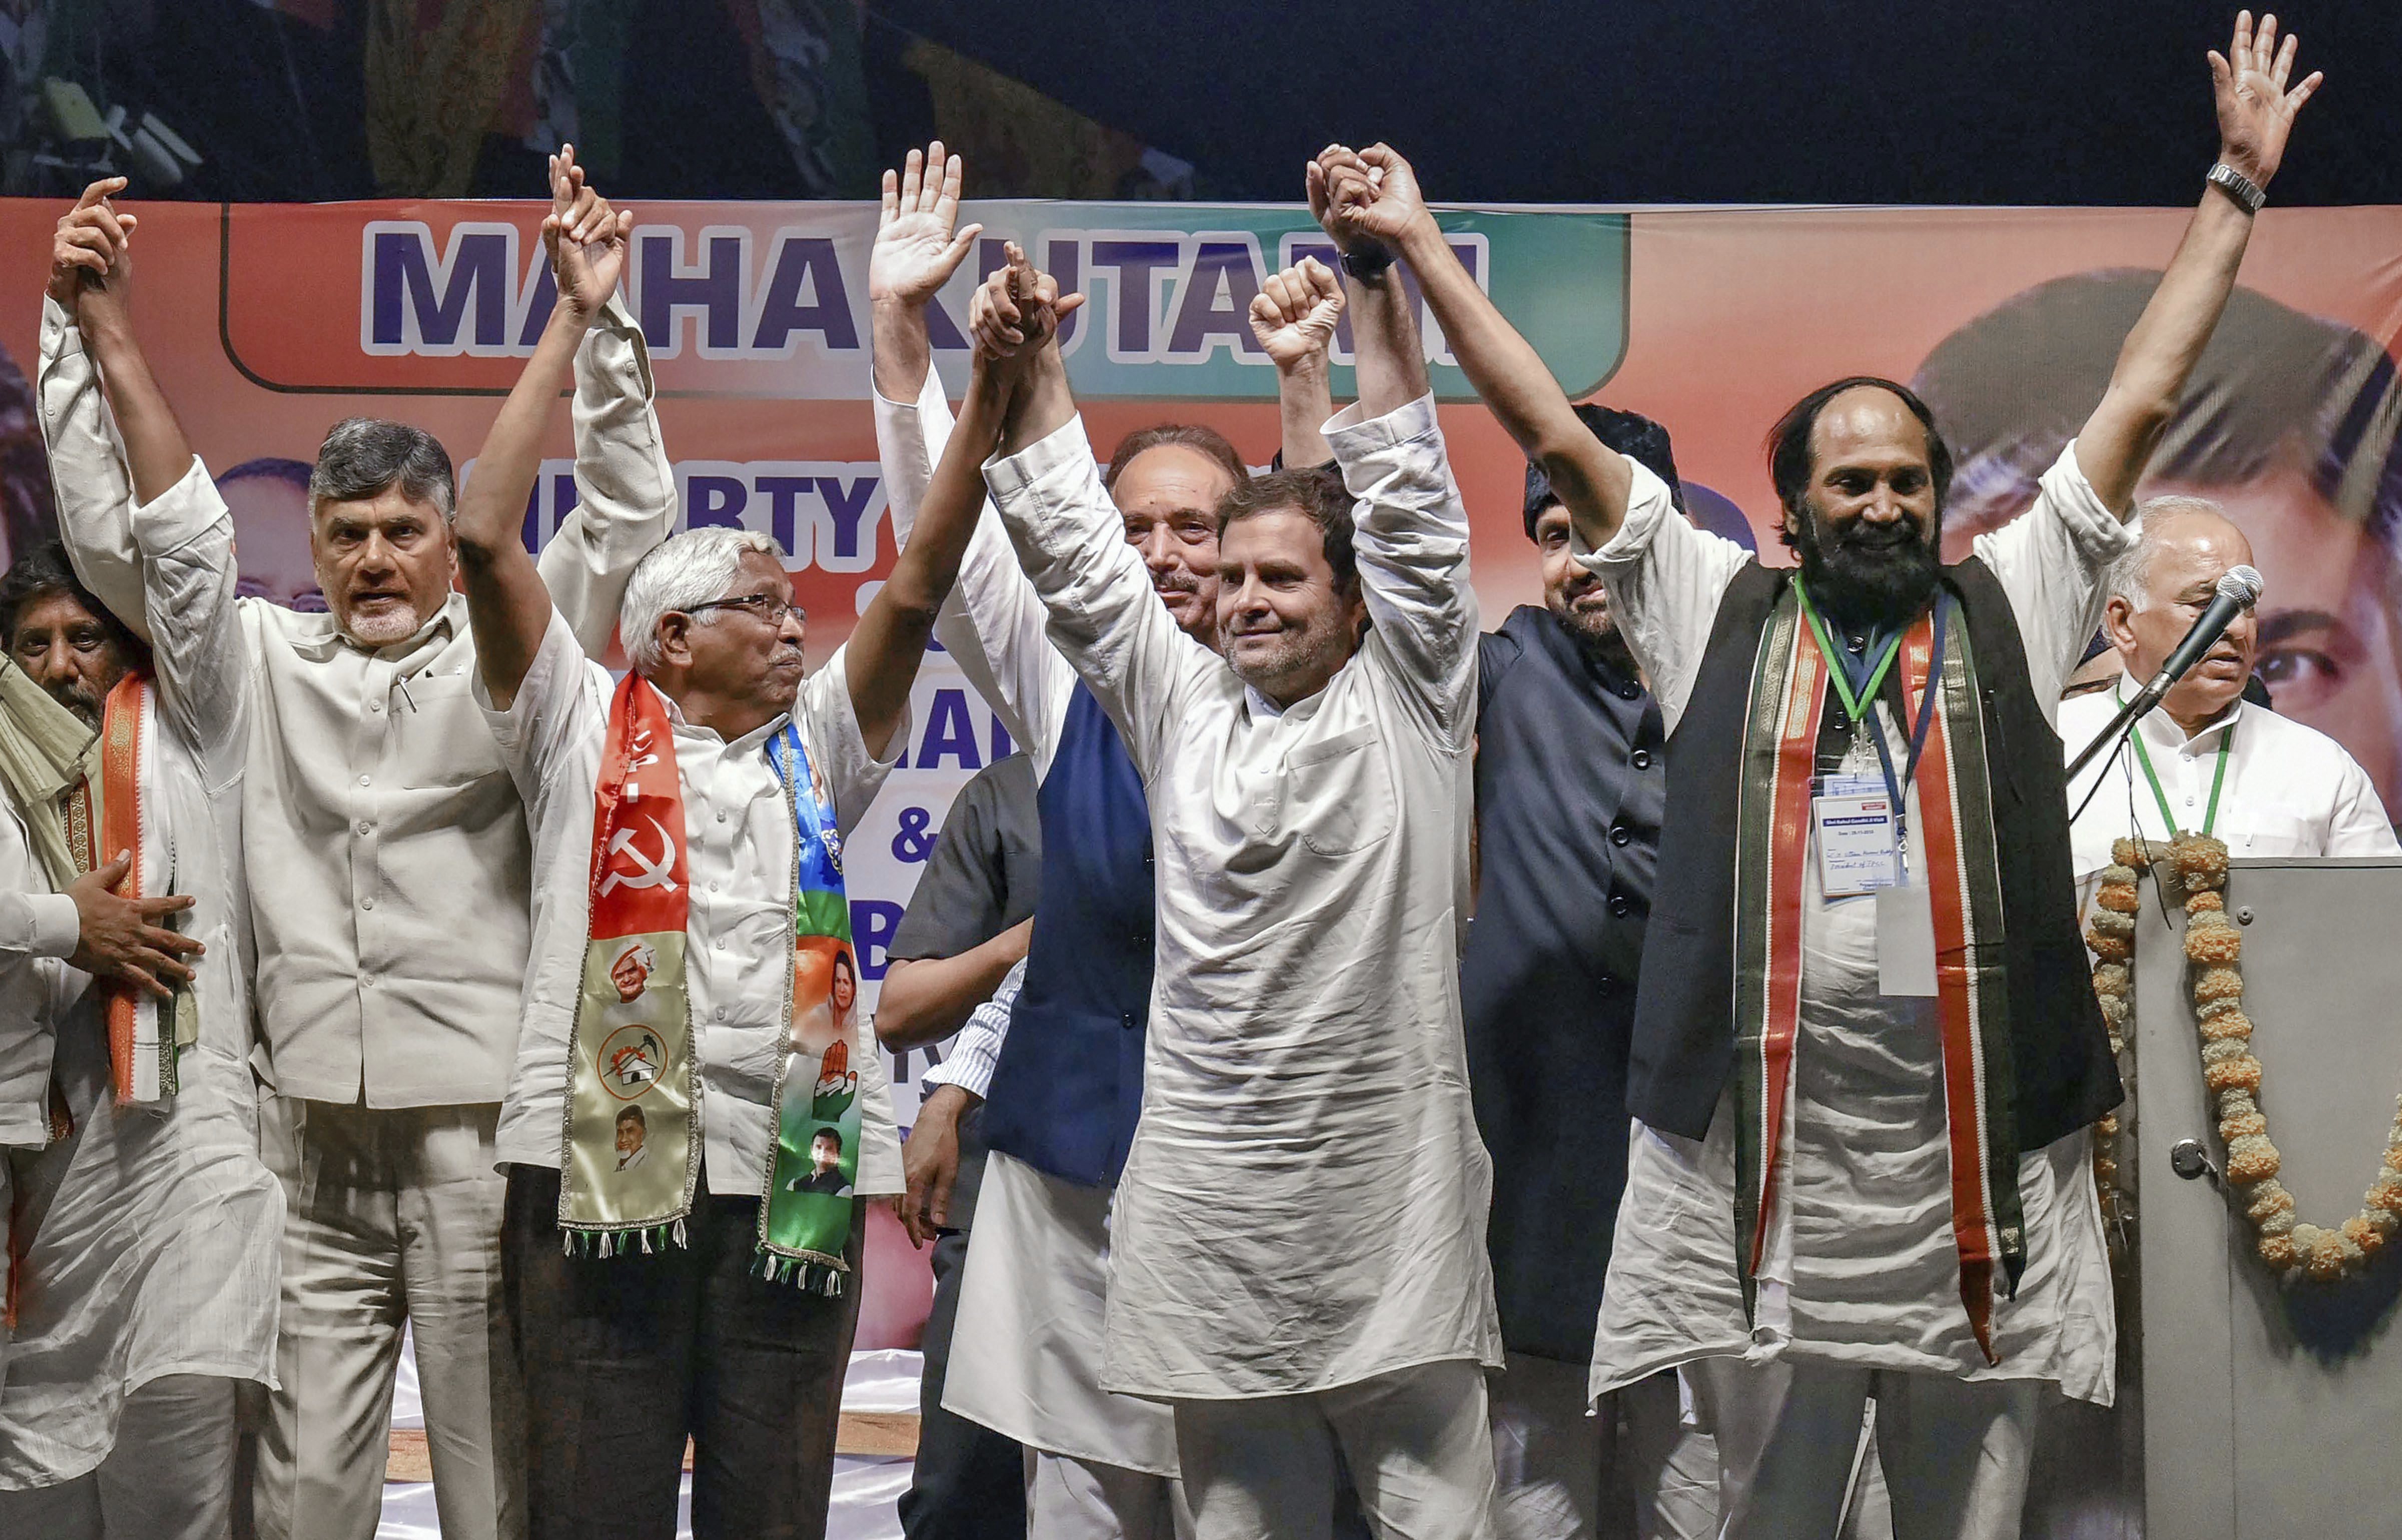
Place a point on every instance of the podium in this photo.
(2270, 1410)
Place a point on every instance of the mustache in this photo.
(1175, 582)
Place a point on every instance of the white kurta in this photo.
(374, 802)
(157, 1227)
(1860, 1266)
(2290, 790)
(1304, 1207)
(1027, 1351)
(738, 857)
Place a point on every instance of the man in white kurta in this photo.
(1297, 1252)
(376, 812)
(2206, 760)
(150, 1270)
(1860, 1272)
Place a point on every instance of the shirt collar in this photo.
(757, 738)
(2164, 732)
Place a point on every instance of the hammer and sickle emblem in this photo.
(650, 874)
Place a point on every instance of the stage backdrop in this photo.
(267, 324)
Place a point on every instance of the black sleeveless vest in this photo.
(1684, 1012)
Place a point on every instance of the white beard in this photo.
(381, 629)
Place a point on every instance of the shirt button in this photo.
(375, 706)
(721, 817)
(1127, 1020)
(1619, 905)
(1630, 691)
(369, 980)
(366, 904)
(1620, 834)
(366, 828)
(366, 780)
(720, 945)
(712, 887)
(1640, 759)
(721, 1013)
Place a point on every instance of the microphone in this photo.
(2238, 591)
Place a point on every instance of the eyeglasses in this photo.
(767, 607)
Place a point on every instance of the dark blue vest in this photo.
(1068, 1086)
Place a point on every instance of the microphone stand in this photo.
(2129, 714)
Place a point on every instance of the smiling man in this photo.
(2206, 760)
(1296, 1258)
(376, 811)
(1860, 1166)
(698, 807)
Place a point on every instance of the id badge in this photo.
(1858, 834)
(1905, 940)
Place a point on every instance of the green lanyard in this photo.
(2218, 777)
(1855, 706)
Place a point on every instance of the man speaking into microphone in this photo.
(2205, 760)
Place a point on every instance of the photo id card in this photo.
(1859, 849)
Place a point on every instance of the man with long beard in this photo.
(1860, 1165)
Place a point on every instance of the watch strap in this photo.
(2237, 186)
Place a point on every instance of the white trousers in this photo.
(1631, 1468)
(1954, 1453)
(169, 1475)
(1070, 1499)
(1417, 1442)
(393, 1218)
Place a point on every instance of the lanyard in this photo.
(2218, 777)
(1859, 703)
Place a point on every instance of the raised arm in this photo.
(508, 603)
(885, 650)
(1592, 478)
(88, 476)
(1410, 526)
(992, 627)
(1070, 537)
(625, 488)
(2255, 113)
(1294, 315)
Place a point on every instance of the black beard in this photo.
(1867, 577)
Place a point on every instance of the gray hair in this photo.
(365, 457)
(681, 572)
(2130, 576)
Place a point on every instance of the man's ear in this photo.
(2117, 614)
(675, 638)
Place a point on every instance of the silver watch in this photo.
(2237, 186)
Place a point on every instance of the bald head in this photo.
(2158, 589)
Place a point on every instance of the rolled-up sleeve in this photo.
(976, 1050)
(93, 492)
(2051, 561)
(1665, 579)
(1410, 534)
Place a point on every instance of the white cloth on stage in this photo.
(2290, 789)
(739, 853)
(1026, 1353)
(1565, 1470)
(1861, 1268)
(1303, 1206)
(155, 1225)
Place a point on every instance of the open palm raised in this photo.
(916, 249)
(2255, 110)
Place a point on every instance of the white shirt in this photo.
(1860, 1266)
(158, 1251)
(2290, 790)
(738, 857)
(38, 932)
(1304, 1207)
(996, 629)
(377, 810)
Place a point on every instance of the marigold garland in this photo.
(2215, 948)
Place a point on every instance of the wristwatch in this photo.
(1367, 262)
(2237, 186)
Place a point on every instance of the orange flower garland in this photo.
(2215, 948)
